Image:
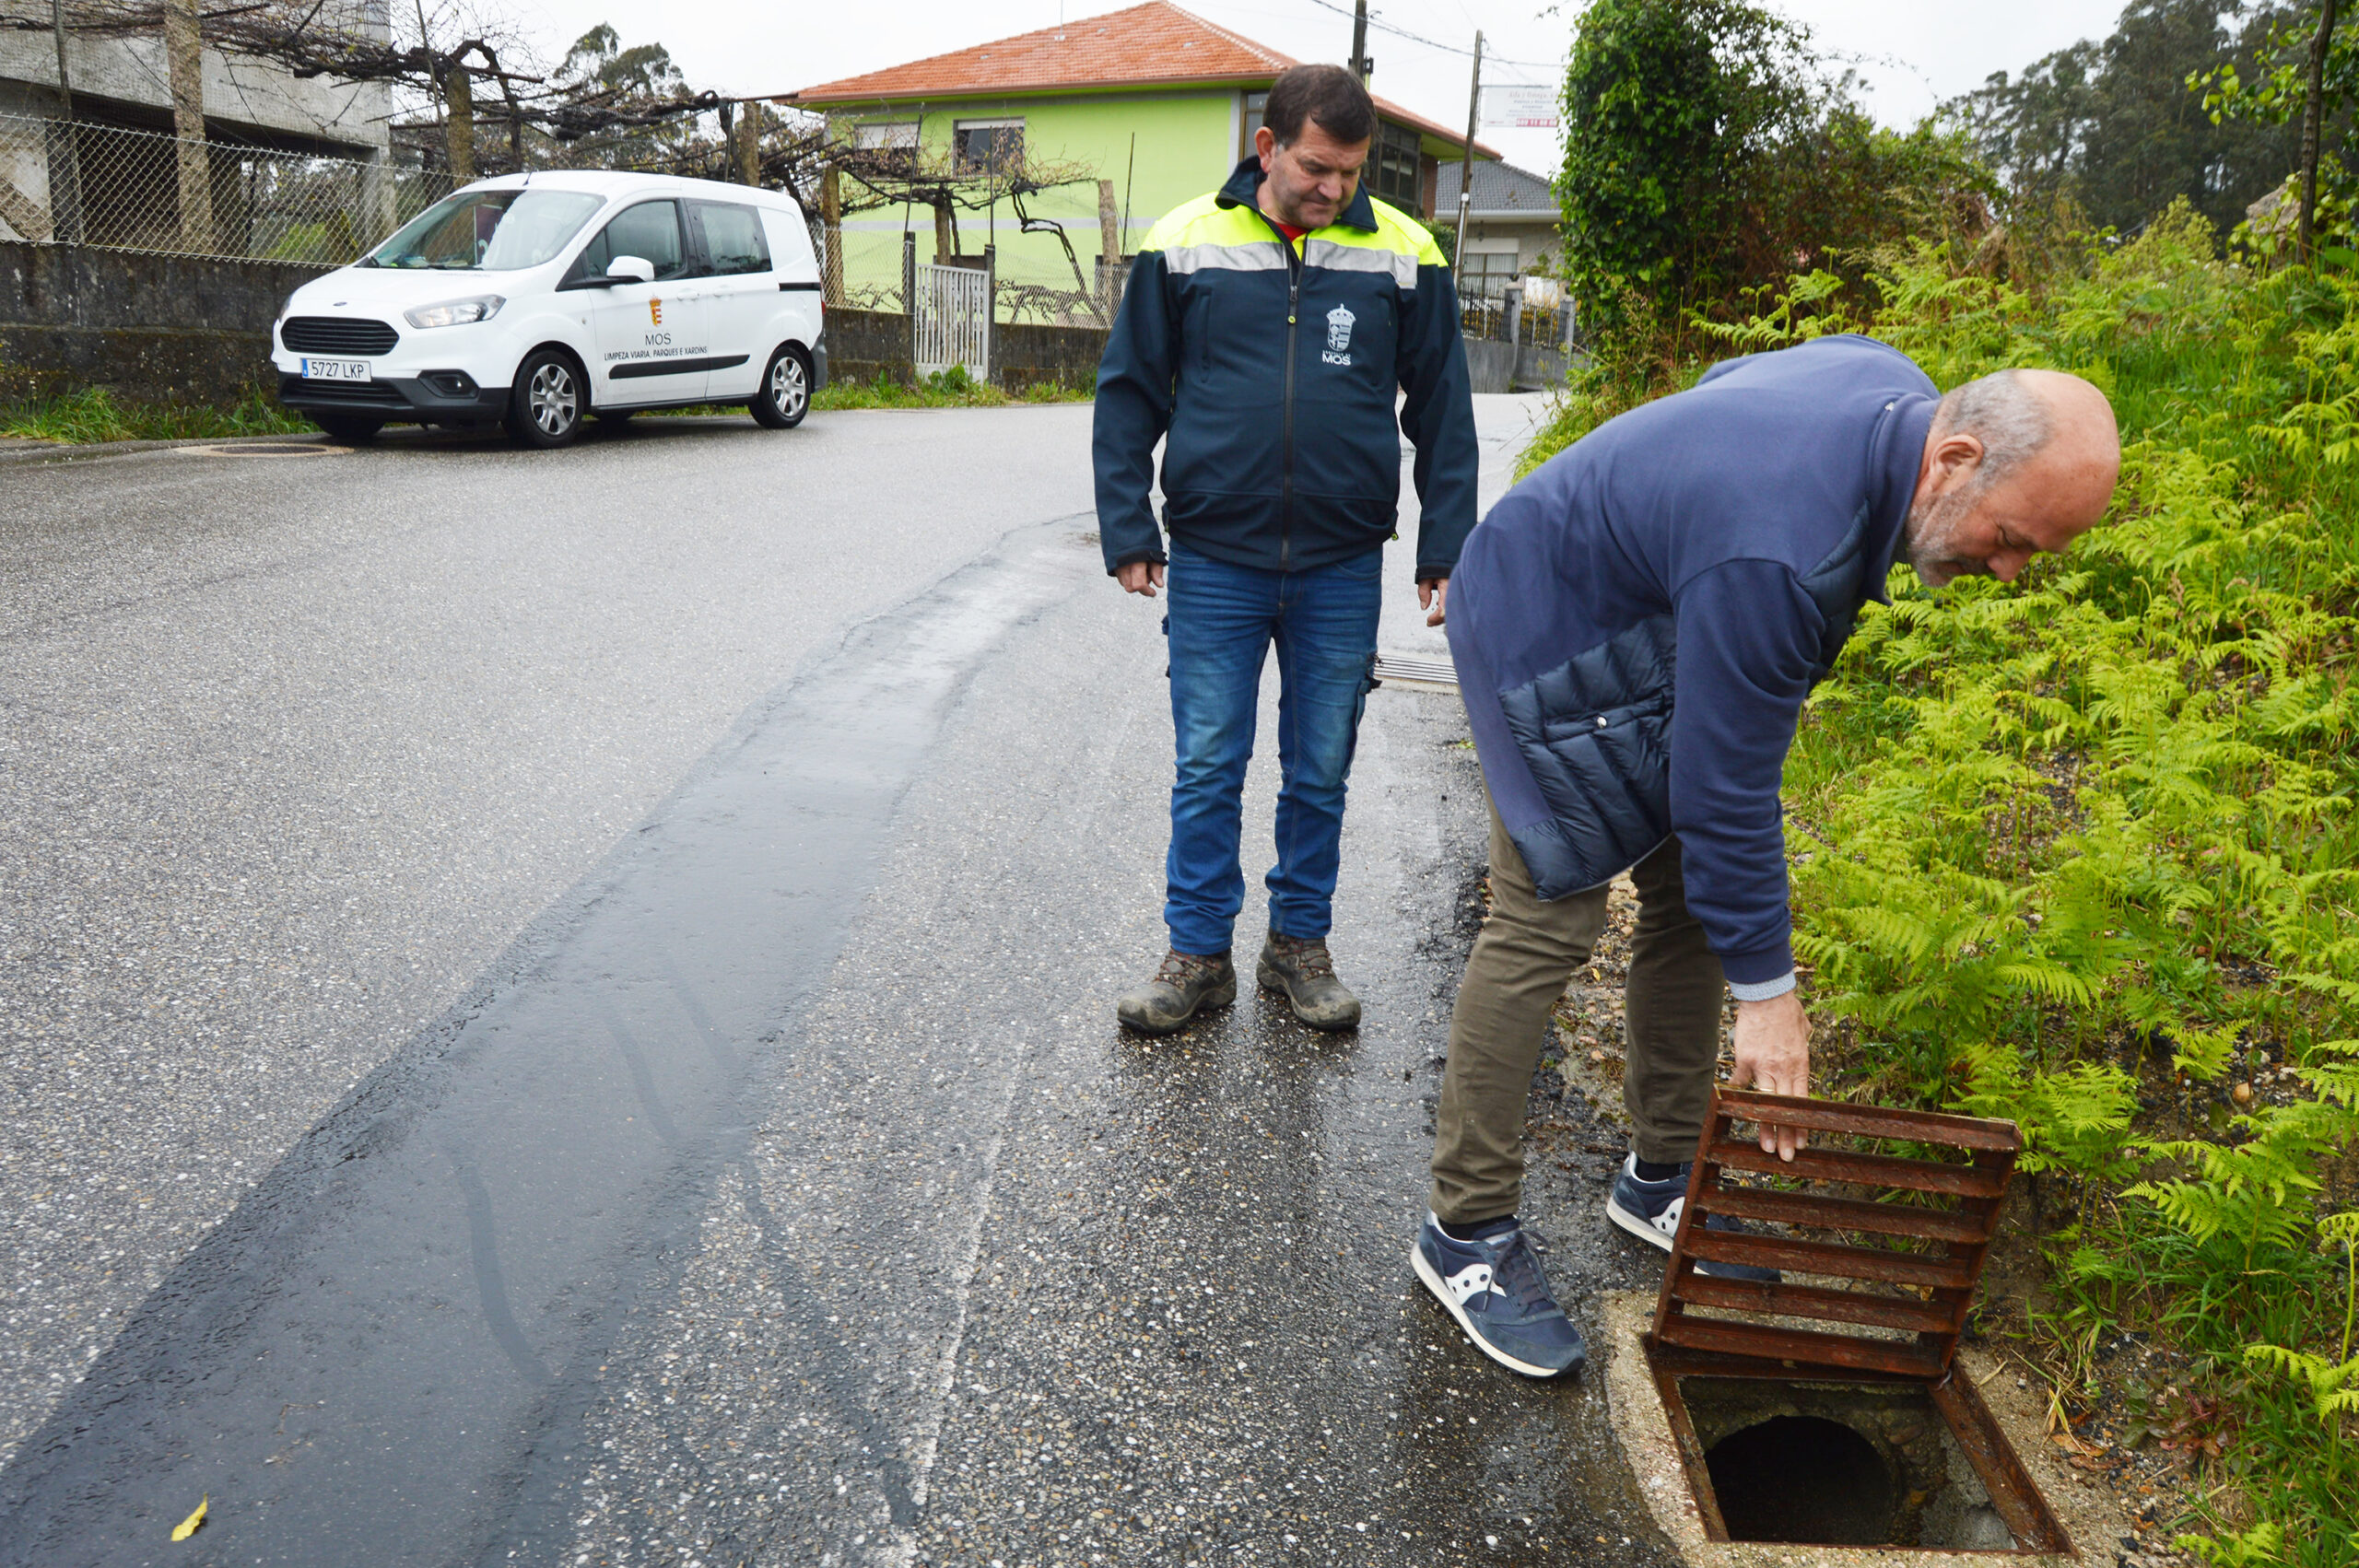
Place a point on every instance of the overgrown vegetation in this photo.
(1707, 154)
(2081, 850)
(95, 415)
(2111, 125)
(953, 387)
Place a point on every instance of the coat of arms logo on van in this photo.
(655, 311)
(1339, 336)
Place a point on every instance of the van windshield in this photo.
(487, 232)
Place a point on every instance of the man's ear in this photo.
(1956, 458)
(1265, 144)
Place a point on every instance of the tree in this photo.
(2112, 126)
(1710, 153)
(2303, 70)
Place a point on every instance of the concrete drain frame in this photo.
(1840, 1379)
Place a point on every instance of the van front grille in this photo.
(335, 335)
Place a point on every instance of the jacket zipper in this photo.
(1286, 417)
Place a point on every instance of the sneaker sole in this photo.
(1442, 1294)
(1219, 996)
(1635, 1227)
(1273, 981)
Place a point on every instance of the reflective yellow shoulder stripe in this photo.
(1204, 221)
(1406, 233)
(1204, 235)
(1399, 246)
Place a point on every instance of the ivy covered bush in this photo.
(2083, 851)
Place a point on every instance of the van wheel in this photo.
(785, 395)
(544, 409)
(351, 429)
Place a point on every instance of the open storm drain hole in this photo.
(1802, 1479)
(1828, 1465)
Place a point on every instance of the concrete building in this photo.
(1513, 229)
(129, 182)
(1153, 100)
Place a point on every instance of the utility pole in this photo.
(1362, 66)
(184, 57)
(1466, 178)
(66, 180)
(65, 81)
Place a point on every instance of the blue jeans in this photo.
(1222, 622)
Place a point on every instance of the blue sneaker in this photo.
(1494, 1287)
(1649, 1211)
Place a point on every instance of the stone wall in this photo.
(156, 329)
(864, 345)
(1505, 367)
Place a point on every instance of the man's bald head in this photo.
(2016, 462)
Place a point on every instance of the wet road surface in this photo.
(784, 1194)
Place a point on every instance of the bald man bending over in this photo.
(1635, 626)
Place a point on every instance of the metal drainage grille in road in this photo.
(1438, 673)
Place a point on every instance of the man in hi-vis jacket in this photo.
(1635, 626)
(1267, 332)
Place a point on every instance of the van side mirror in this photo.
(632, 269)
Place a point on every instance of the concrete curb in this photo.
(2090, 1515)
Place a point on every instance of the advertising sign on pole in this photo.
(1511, 106)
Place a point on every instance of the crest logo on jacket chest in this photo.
(1339, 336)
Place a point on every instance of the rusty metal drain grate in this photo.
(1881, 1231)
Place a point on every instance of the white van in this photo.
(533, 300)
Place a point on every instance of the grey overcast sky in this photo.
(1911, 52)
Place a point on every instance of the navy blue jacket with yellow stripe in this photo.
(1272, 371)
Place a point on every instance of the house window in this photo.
(989, 147)
(1484, 274)
(895, 141)
(1392, 170)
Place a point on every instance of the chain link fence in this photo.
(70, 184)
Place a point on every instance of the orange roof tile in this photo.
(1154, 44)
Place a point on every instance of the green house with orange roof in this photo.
(1131, 113)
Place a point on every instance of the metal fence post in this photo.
(991, 312)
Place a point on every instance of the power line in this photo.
(1382, 26)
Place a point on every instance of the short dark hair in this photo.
(1328, 94)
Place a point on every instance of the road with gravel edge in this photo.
(558, 1011)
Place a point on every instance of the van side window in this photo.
(732, 237)
(650, 230)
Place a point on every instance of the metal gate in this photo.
(953, 321)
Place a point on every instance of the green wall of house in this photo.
(1159, 149)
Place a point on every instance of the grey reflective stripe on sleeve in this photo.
(1361, 257)
(1763, 990)
(1260, 257)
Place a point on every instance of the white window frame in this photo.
(958, 128)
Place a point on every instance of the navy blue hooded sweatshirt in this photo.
(1637, 623)
(1270, 372)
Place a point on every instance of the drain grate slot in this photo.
(1416, 671)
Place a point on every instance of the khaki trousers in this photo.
(1527, 954)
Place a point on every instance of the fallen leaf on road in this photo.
(187, 1526)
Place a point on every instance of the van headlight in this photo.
(455, 312)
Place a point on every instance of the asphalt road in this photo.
(557, 1009)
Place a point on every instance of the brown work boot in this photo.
(1301, 967)
(1185, 984)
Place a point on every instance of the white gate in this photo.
(954, 321)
